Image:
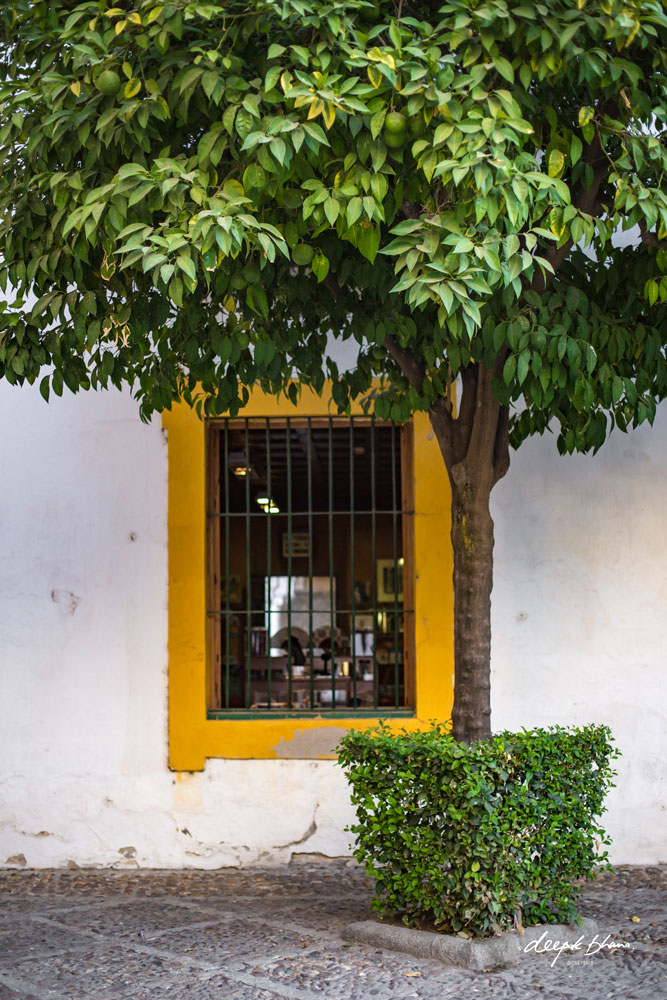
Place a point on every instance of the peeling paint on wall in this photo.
(68, 601)
(311, 743)
(310, 832)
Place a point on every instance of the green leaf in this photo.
(354, 210)
(187, 266)
(616, 389)
(555, 163)
(504, 68)
(368, 242)
(377, 121)
(320, 266)
(331, 210)
(176, 291)
(574, 354)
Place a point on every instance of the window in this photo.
(197, 728)
(309, 524)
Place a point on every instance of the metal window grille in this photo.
(309, 528)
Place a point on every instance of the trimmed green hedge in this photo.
(479, 838)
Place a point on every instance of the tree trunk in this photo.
(472, 543)
(475, 448)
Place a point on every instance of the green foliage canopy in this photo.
(195, 196)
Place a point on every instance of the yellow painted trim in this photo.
(193, 737)
(433, 568)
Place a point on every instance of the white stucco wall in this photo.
(83, 655)
(578, 622)
(579, 612)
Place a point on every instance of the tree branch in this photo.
(446, 431)
(501, 447)
(409, 210)
(466, 415)
(445, 427)
(647, 237)
(485, 422)
(413, 369)
(332, 285)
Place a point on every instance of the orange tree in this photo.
(196, 196)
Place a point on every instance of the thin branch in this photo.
(332, 285)
(647, 237)
(413, 369)
(409, 210)
(587, 201)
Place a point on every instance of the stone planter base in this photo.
(479, 954)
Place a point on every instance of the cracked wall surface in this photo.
(579, 634)
(83, 667)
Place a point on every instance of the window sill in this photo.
(343, 714)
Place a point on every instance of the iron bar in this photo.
(269, 553)
(248, 684)
(316, 513)
(227, 615)
(310, 563)
(396, 563)
(289, 565)
(374, 568)
(353, 619)
(331, 573)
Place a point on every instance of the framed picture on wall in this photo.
(389, 580)
(363, 623)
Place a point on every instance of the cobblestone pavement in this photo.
(273, 934)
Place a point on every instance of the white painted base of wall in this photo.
(579, 635)
(235, 813)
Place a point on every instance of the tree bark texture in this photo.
(475, 448)
(472, 544)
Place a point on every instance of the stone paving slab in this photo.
(480, 954)
(276, 934)
(127, 918)
(26, 936)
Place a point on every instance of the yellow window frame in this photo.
(192, 736)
